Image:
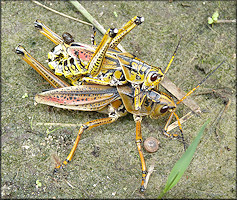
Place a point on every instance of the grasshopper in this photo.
(114, 101)
(104, 64)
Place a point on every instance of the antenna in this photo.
(171, 60)
(191, 91)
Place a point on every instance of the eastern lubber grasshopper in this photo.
(114, 101)
(104, 64)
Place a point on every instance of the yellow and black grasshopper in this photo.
(104, 64)
(114, 101)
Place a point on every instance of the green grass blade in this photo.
(182, 164)
(92, 20)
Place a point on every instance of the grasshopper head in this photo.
(166, 105)
(153, 78)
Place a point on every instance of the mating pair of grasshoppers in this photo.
(103, 79)
(104, 64)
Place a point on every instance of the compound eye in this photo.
(153, 77)
(164, 109)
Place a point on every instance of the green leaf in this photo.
(24, 96)
(115, 14)
(48, 132)
(210, 20)
(215, 16)
(182, 164)
(38, 183)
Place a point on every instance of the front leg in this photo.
(174, 135)
(139, 97)
(138, 120)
